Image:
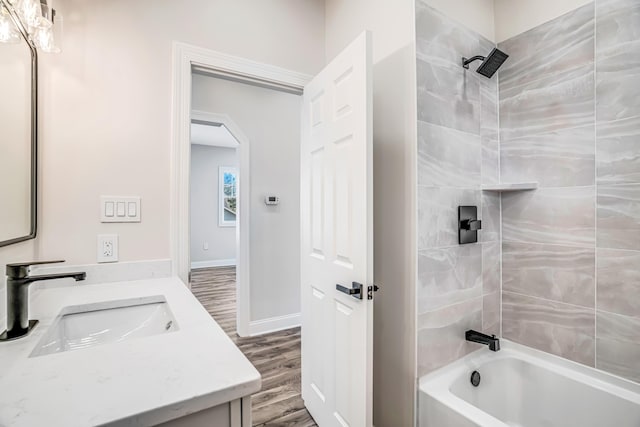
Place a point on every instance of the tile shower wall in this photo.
(618, 187)
(570, 119)
(458, 286)
(547, 134)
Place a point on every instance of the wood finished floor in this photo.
(276, 356)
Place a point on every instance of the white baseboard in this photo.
(213, 263)
(274, 324)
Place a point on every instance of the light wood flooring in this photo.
(276, 356)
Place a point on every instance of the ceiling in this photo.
(212, 135)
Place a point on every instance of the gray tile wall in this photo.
(458, 150)
(547, 134)
(618, 186)
(570, 119)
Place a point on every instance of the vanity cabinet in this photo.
(236, 413)
(193, 376)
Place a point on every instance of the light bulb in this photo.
(31, 13)
(8, 31)
(43, 39)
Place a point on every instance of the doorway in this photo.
(268, 225)
(267, 203)
(334, 204)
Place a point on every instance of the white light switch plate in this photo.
(119, 209)
(107, 248)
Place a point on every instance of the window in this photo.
(228, 197)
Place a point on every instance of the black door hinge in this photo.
(371, 290)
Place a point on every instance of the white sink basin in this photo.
(84, 326)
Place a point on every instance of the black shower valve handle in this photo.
(471, 225)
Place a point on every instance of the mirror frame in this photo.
(34, 128)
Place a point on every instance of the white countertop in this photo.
(139, 382)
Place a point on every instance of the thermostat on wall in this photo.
(271, 200)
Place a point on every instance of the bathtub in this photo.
(522, 387)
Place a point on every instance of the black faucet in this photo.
(479, 337)
(18, 281)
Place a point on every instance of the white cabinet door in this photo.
(337, 239)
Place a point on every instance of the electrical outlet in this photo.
(107, 248)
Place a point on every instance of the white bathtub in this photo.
(522, 387)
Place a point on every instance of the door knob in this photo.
(355, 290)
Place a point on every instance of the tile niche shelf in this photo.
(510, 186)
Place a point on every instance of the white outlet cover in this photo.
(107, 249)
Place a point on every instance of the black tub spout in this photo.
(492, 341)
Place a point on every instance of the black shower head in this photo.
(490, 64)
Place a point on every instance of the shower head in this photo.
(490, 64)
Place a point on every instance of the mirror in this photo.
(18, 139)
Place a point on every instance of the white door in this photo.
(337, 240)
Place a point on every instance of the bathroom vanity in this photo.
(137, 353)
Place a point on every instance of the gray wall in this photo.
(570, 119)
(205, 165)
(458, 286)
(547, 117)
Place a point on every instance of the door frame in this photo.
(184, 58)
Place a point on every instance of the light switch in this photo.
(109, 209)
(119, 209)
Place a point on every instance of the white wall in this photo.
(105, 105)
(271, 122)
(106, 100)
(394, 163)
(499, 20)
(390, 21)
(477, 15)
(204, 205)
(517, 16)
